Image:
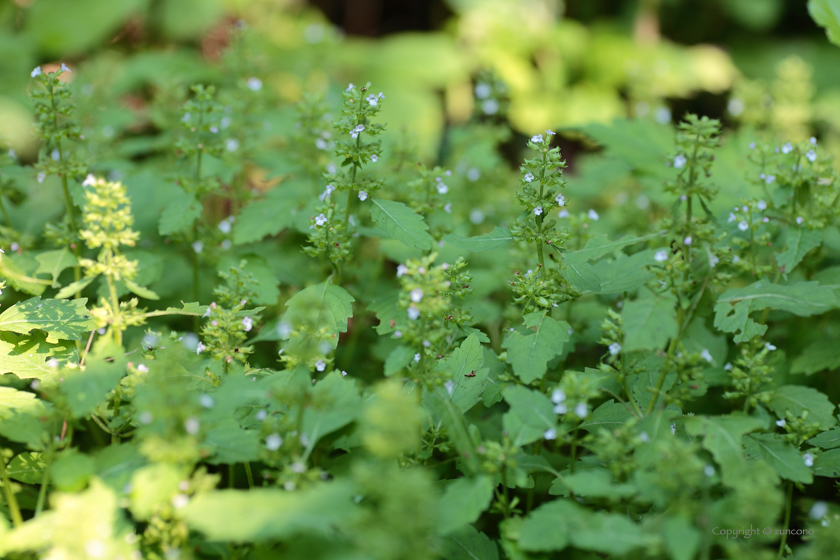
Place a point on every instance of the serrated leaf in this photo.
(826, 440)
(74, 288)
(827, 464)
(463, 367)
(24, 418)
(86, 389)
(596, 483)
(609, 415)
(798, 242)
(648, 323)
(55, 262)
(467, 543)
(624, 274)
(179, 215)
(499, 237)
(681, 537)
(401, 222)
(19, 280)
(462, 502)
(722, 438)
(785, 459)
(190, 309)
(581, 274)
(797, 398)
(827, 14)
(733, 308)
(600, 246)
(30, 357)
(533, 409)
(819, 355)
(335, 403)
(322, 306)
(399, 358)
(262, 218)
(60, 319)
(139, 290)
(27, 467)
(529, 354)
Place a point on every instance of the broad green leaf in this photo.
(827, 14)
(529, 354)
(116, 464)
(827, 464)
(798, 242)
(268, 513)
(335, 403)
(74, 288)
(624, 274)
(463, 502)
(191, 309)
(533, 408)
(609, 415)
(86, 389)
(548, 527)
(180, 214)
(55, 262)
(785, 459)
(71, 470)
(648, 323)
(401, 222)
(467, 543)
(322, 306)
(581, 274)
(153, 486)
(826, 440)
(265, 217)
(797, 398)
(398, 359)
(499, 237)
(596, 483)
(819, 355)
(27, 467)
(681, 537)
(722, 438)
(60, 319)
(733, 308)
(624, 535)
(600, 245)
(228, 443)
(139, 290)
(32, 356)
(24, 418)
(19, 280)
(463, 367)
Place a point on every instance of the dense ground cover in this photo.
(250, 310)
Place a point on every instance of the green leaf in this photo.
(467, 543)
(529, 354)
(781, 455)
(499, 237)
(24, 418)
(533, 409)
(722, 438)
(548, 527)
(819, 355)
(463, 367)
(335, 403)
(55, 262)
(401, 222)
(827, 464)
(269, 513)
(733, 308)
(86, 389)
(596, 483)
(322, 306)
(581, 274)
(682, 539)
(153, 486)
(648, 323)
(624, 274)
(463, 502)
(798, 242)
(398, 359)
(27, 467)
(190, 309)
(60, 319)
(180, 214)
(72, 470)
(265, 217)
(139, 290)
(19, 280)
(827, 14)
(30, 357)
(797, 398)
(609, 415)
(600, 246)
(74, 288)
(228, 443)
(826, 440)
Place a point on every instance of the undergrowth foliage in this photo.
(301, 343)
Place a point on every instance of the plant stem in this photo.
(45, 483)
(5, 213)
(668, 357)
(11, 500)
(249, 474)
(788, 504)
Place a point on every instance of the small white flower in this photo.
(644, 437)
(427, 343)
(808, 459)
(192, 425)
(593, 215)
(709, 471)
(661, 255)
(761, 205)
(261, 414)
(214, 129)
(200, 347)
(36, 72)
(781, 423)
(416, 295)
(273, 442)
(662, 115)
(787, 148)
(320, 365)
(417, 357)
(560, 200)
(674, 428)
(232, 144)
(381, 95)
(614, 348)
(560, 408)
(679, 161)
(550, 434)
(146, 417)
(713, 260)
(40, 177)
(581, 410)
(142, 368)
(800, 219)
(563, 213)
(198, 246)
(735, 258)
(743, 226)
(247, 324)
(769, 346)
(558, 396)
(538, 210)
(549, 133)
(687, 240)
(224, 226)
(490, 107)
(397, 334)
(450, 387)
(537, 139)
(448, 208)
(529, 177)
(401, 269)
(374, 158)
(413, 312)
(206, 401)
(728, 366)
(811, 156)
(373, 100)
(89, 180)
(254, 84)
(442, 188)
(350, 87)
(706, 355)
(320, 220)
(482, 90)
(53, 363)
(818, 510)
(769, 179)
